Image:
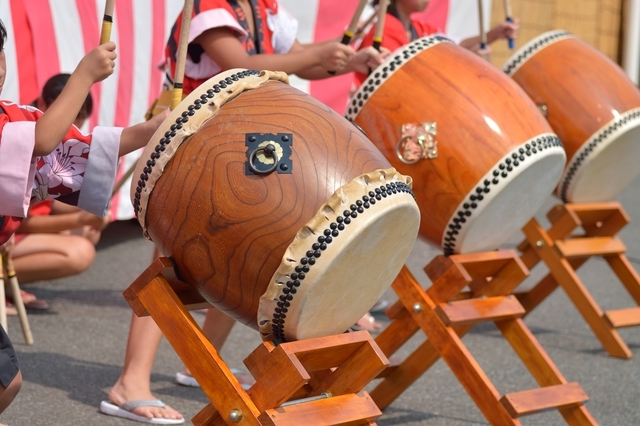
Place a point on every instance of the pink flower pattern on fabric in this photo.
(61, 172)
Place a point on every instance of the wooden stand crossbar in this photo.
(564, 251)
(315, 381)
(444, 312)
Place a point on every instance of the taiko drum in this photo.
(277, 210)
(482, 156)
(591, 105)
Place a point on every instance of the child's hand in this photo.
(368, 59)
(334, 56)
(93, 221)
(504, 30)
(99, 63)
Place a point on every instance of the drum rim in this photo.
(385, 70)
(172, 132)
(344, 206)
(450, 243)
(526, 52)
(598, 141)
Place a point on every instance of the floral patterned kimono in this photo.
(81, 170)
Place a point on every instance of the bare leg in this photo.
(217, 326)
(134, 382)
(9, 393)
(50, 256)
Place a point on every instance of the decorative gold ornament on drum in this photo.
(497, 158)
(418, 142)
(277, 210)
(593, 107)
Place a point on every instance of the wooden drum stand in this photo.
(445, 313)
(315, 381)
(564, 251)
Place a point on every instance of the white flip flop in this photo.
(125, 411)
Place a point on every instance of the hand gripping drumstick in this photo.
(107, 22)
(507, 9)
(353, 26)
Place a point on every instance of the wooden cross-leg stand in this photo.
(316, 381)
(445, 313)
(564, 252)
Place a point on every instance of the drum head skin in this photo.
(591, 105)
(303, 239)
(527, 174)
(343, 260)
(605, 164)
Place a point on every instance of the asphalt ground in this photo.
(80, 343)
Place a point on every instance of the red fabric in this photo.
(8, 226)
(190, 84)
(394, 36)
(37, 208)
(41, 208)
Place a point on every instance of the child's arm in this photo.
(139, 135)
(224, 48)
(502, 30)
(55, 223)
(56, 121)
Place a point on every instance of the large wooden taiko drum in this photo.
(591, 105)
(482, 157)
(277, 210)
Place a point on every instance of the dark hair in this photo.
(52, 89)
(3, 35)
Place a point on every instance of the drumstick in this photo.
(359, 31)
(123, 179)
(107, 22)
(483, 34)
(181, 58)
(181, 55)
(382, 12)
(507, 9)
(353, 25)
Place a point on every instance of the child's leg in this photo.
(134, 382)
(8, 394)
(10, 375)
(50, 256)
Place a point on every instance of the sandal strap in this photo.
(132, 405)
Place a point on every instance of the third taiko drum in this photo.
(592, 106)
(482, 156)
(274, 208)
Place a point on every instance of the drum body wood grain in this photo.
(239, 236)
(497, 158)
(592, 106)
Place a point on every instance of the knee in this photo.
(83, 253)
(8, 395)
